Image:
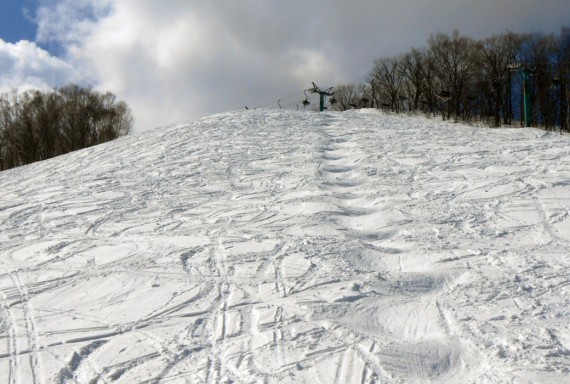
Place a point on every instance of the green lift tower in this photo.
(527, 103)
(322, 94)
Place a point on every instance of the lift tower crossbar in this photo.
(322, 94)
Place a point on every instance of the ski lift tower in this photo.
(322, 94)
(525, 73)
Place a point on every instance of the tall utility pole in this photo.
(322, 94)
(527, 104)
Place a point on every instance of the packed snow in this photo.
(270, 246)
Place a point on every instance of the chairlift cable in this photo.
(282, 99)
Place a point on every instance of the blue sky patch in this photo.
(16, 20)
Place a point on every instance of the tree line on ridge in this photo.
(461, 78)
(37, 125)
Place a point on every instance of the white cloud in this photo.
(178, 59)
(69, 22)
(24, 65)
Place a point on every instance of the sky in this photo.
(177, 60)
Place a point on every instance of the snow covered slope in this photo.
(289, 247)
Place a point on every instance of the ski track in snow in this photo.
(287, 247)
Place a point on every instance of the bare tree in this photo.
(48, 110)
(418, 72)
(561, 78)
(495, 55)
(453, 58)
(389, 76)
(347, 97)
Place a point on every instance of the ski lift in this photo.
(306, 101)
(322, 95)
(333, 101)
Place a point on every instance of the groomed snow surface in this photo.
(291, 247)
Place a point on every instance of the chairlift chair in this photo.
(306, 101)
